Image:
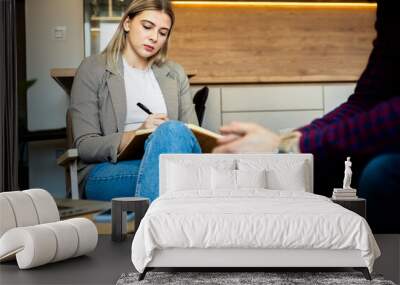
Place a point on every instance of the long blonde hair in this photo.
(118, 41)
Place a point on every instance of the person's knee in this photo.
(172, 125)
(381, 176)
(379, 184)
(172, 128)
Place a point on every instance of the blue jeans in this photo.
(380, 186)
(140, 177)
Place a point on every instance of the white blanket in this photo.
(250, 219)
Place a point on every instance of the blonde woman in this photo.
(107, 87)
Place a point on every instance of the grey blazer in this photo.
(98, 107)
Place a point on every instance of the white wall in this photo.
(46, 101)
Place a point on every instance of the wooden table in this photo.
(65, 77)
(77, 208)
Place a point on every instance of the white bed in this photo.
(247, 211)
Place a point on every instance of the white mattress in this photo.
(250, 219)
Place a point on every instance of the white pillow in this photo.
(281, 174)
(251, 178)
(185, 174)
(228, 179)
(182, 177)
(223, 179)
(291, 179)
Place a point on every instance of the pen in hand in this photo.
(144, 108)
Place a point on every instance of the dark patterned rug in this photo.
(243, 278)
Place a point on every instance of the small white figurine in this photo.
(347, 174)
(345, 193)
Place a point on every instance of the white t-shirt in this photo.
(141, 86)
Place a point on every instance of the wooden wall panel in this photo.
(256, 44)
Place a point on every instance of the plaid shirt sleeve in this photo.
(369, 122)
(355, 105)
(366, 132)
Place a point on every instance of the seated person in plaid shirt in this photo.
(366, 127)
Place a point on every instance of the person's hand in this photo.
(153, 121)
(246, 138)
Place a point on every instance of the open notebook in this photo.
(135, 148)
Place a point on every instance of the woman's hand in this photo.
(246, 137)
(153, 121)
